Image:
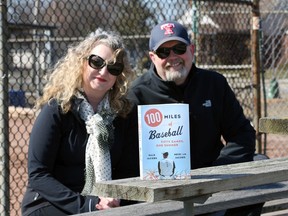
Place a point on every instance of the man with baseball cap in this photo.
(176, 39)
(215, 112)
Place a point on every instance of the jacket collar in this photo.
(75, 107)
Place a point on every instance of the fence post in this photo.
(256, 70)
(4, 120)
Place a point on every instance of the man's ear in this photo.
(192, 48)
(152, 56)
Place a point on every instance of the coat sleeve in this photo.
(236, 130)
(45, 141)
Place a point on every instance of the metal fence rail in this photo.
(34, 34)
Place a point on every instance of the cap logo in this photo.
(168, 27)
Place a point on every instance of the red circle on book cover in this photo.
(153, 117)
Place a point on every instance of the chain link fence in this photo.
(274, 55)
(34, 34)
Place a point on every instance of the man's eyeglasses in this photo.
(97, 62)
(164, 52)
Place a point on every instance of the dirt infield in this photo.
(277, 146)
(20, 125)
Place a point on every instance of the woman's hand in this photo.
(106, 203)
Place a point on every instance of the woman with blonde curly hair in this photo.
(71, 139)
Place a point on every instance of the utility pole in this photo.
(256, 67)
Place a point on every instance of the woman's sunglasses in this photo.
(97, 62)
(164, 52)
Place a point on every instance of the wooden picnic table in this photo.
(274, 125)
(203, 183)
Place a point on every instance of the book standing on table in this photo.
(164, 141)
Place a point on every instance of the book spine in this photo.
(140, 141)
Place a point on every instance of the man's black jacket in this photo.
(219, 131)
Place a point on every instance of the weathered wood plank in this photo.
(203, 181)
(275, 205)
(273, 125)
(217, 202)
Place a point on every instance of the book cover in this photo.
(164, 141)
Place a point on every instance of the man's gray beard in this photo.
(176, 75)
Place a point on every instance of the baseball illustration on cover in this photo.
(164, 141)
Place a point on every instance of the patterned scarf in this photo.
(100, 129)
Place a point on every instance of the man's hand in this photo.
(106, 203)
